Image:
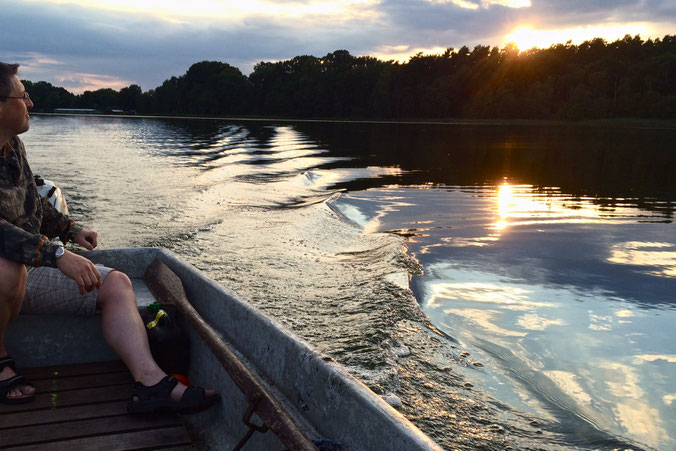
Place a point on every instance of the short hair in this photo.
(7, 71)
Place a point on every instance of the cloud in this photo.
(225, 12)
(573, 13)
(476, 4)
(150, 50)
(80, 82)
(402, 53)
(56, 38)
(157, 49)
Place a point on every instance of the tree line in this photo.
(630, 77)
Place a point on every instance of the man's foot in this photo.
(14, 389)
(177, 393)
(169, 394)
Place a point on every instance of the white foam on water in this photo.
(351, 212)
(399, 279)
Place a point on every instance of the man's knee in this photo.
(12, 280)
(115, 286)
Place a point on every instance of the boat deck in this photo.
(83, 406)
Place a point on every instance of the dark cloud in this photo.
(447, 25)
(572, 13)
(146, 50)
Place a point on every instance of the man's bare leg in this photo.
(124, 331)
(12, 289)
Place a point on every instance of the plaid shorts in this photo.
(48, 290)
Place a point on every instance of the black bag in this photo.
(168, 341)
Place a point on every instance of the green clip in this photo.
(153, 323)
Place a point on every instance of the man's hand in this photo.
(87, 239)
(81, 270)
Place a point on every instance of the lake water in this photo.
(503, 285)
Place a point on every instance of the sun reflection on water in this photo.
(518, 205)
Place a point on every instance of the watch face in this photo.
(59, 252)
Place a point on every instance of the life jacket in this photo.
(48, 190)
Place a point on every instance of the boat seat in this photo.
(41, 340)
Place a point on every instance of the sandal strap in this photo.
(161, 390)
(8, 384)
(194, 399)
(193, 395)
(13, 381)
(7, 361)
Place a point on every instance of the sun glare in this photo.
(519, 205)
(526, 37)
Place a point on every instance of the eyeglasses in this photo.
(25, 96)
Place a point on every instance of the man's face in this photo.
(14, 117)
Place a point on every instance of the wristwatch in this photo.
(59, 252)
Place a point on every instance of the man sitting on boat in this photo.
(40, 276)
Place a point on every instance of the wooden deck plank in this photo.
(157, 438)
(49, 372)
(84, 407)
(71, 398)
(35, 417)
(69, 430)
(57, 384)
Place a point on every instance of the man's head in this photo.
(14, 103)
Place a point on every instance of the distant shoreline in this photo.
(658, 124)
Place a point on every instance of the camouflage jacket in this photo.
(27, 221)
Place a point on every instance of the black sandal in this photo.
(8, 384)
(156, 398)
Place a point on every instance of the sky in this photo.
(86, 45)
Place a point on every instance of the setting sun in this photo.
(526, 37)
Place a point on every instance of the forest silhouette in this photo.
(627, 78)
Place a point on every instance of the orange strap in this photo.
(4, 152)
(37, 256)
